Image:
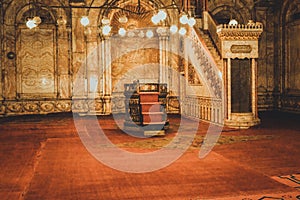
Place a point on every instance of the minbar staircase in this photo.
(204, 56)
(211, 46)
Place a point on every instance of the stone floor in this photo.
(44, 157)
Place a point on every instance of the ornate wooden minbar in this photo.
(145, 108)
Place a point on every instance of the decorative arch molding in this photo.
(289, 27)
(146, 5)
(240, 11)
(226, 10)
(17, 38)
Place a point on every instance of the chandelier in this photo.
(159, 16)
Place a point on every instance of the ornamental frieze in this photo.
(239, 32)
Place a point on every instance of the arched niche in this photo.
(223, 14)
(291, 46)
(38, 70)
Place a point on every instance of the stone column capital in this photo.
(163, 32)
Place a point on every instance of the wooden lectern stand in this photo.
(145, 108)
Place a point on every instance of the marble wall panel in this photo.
(36, 63)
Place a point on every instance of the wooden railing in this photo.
(208, 108)
(204, 108)
(204, 62)
(210, 25)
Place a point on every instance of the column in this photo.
(92, 62)
(63, 61)
(163, 54)
(228, 88)
(254, 86)
(79, 55)
(107, 67)
(107, 87)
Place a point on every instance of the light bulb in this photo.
(149, 34)
(155, 19)
(184, 19)
(105, 21)
(192, 22)
(122, 32)
(173, 29)
(84, 21)
(182, 31)
(233, 22)
(106, 29)
(131, 34)
(123, 19)
(61, 21)
(141, 34)
(162, 15)
(30, 24)
(37, 20)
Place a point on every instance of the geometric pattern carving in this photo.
(36, 61)
(203, 61)
(34, 107)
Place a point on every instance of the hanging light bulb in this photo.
(173, 29)
(84, 21)
(155, 19)
(131, 34)
(106, 29)
(37, 20)
(192, 22)
(149, 34)
(30, 24)
(182, 31)
(61, 21)
(141, 34)
(162, 15)
(122, 32)
(184, 19)
(123, 19)
(105, 20)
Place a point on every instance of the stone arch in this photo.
(223, 14)
(16, 29)
(239, 11)
(146, 5)
(290, 23)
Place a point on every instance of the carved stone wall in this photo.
(246, 10)
(36, 63)
(266, 72)
(289, 56)
(40, 81)
(35, 71)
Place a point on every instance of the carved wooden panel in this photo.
(36, 62)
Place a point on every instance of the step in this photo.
(153, 117)
(148, 97)
(151, 107)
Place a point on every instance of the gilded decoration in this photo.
(240, 31)
(240, 49)
(240, 41)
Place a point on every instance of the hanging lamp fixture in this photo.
(34, 20)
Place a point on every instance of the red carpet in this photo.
(42, 157)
